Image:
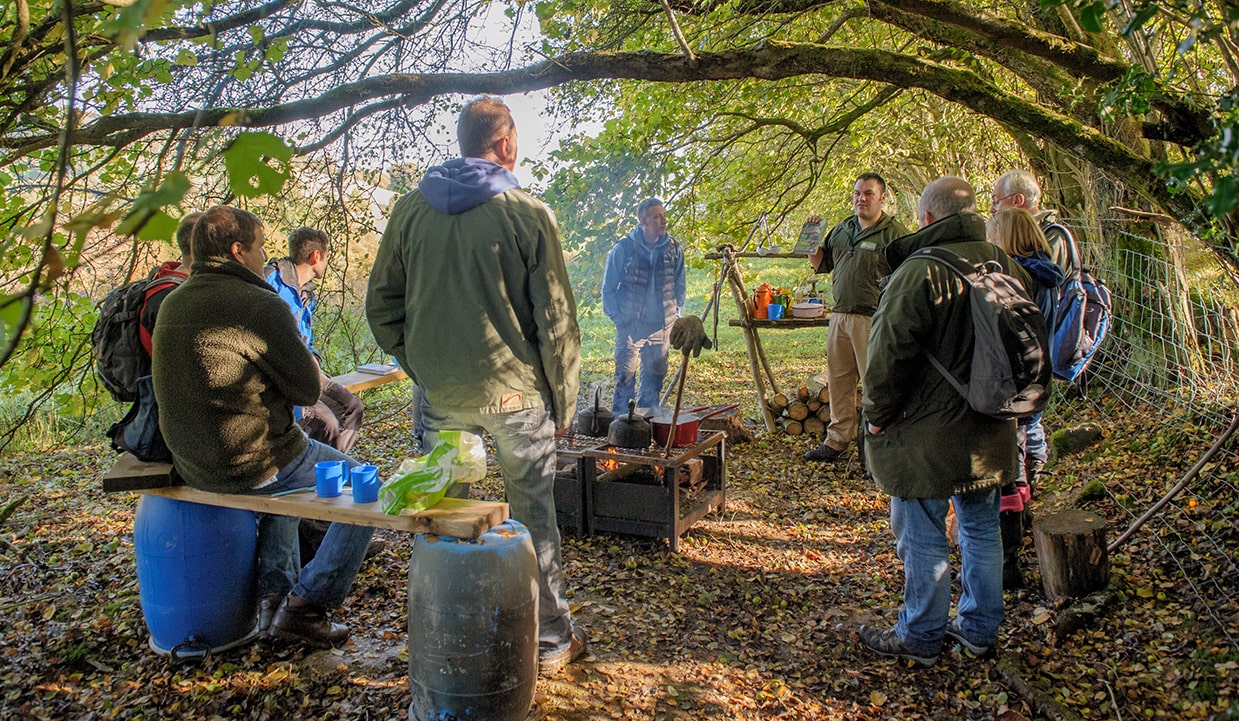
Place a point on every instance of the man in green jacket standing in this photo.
(228, 365)
(853, 251)
(470, 293)
(926, 447)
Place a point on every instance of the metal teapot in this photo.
(630, 431)
(595, 421)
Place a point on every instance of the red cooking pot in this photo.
(686, 426)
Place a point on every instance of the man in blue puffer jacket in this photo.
(643, 293)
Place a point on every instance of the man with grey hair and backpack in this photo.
(925, 444)
(1019, 188)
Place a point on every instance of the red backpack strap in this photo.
(158, 285)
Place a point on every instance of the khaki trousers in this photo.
(846, 347)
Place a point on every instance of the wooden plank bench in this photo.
(360, 380)
(456, 517)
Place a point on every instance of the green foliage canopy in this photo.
(113, 114)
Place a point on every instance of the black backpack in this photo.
(1010, 371)
(120, 359)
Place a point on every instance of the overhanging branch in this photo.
(771, 61)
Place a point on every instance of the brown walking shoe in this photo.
(299, 620)
(550, 662)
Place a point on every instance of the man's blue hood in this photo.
(464, 183)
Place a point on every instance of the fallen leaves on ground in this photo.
(754, 618)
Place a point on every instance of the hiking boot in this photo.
(299, 620)
(823, 453)
(267, 606)
(956, 633)
(885, 642)
(555, 660)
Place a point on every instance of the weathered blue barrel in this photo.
(197, 567)
(473, 626)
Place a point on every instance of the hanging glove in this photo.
(689, 335)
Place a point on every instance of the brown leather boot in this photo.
(299, 620)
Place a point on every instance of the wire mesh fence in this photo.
(1170, 358)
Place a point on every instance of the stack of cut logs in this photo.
(808, 411)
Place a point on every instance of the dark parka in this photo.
(932, 445)
(228, 367)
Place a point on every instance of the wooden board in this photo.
(450, 517)
(361, 380)
(458, 517)
(130, 474)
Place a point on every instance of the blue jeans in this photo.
(1031, 441)
(647, 345)
(525, 446)
(919, 525)
(325, 581)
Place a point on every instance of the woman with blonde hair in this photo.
(1016, 231)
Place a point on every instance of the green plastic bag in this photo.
(419, 483)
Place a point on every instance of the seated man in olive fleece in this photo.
(228, 366)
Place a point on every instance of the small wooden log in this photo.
(813, 404)
(1071, 552)
(817, 382)
(823, 395)
(793, 428)
(778, 402)
(814, 426)
(798, 411)
(803, 393)
(823, 414)
(688, 475)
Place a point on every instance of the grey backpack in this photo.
(1010, 371)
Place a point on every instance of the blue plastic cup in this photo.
(329, 478)
(365, 484)
(774, 311)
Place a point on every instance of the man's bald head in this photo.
(944, 197)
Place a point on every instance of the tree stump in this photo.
(1071, 552)
(732, 423)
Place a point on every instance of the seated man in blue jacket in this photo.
(336, 418)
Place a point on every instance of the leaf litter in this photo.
(754, 618)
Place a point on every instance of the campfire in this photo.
(642, 491)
